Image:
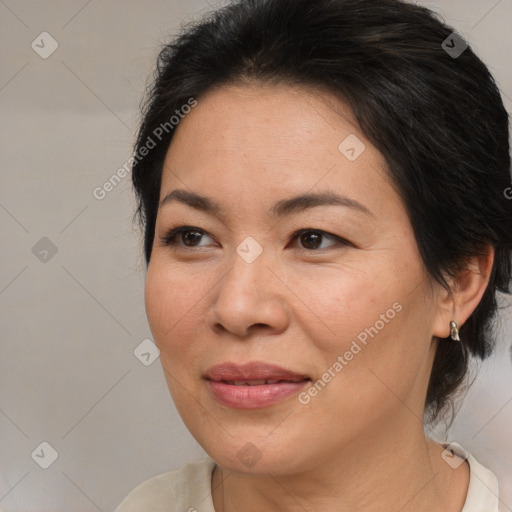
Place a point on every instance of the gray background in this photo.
(70, 321)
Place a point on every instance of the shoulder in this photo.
(483, 490)
(185, 489)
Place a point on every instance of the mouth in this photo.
(253, 385)
(253, 374)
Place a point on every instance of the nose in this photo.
(248, 299)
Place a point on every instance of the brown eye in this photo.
(190, 238)
(312, 239)
(184, 236)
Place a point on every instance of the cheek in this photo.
(158, 299)
(170, 310)
(372, 321)
(338, 303)
(170, 301)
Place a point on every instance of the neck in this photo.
(402, 472)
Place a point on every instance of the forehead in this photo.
(248, 143)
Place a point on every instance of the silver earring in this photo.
(454, 331)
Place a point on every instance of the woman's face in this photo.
(345, 309)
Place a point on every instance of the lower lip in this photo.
(253, 397)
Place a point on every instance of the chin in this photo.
(255, 453)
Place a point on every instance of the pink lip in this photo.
(254, 370)
(253, 396)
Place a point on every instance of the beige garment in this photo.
(188, 489)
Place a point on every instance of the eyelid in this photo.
(331, 236)
(174, 232)
(171, 234)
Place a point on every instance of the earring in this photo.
(454, 331)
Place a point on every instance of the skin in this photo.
(359, 444)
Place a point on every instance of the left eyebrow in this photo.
(311, 200)
(282, 208)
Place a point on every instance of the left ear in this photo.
(466, 291)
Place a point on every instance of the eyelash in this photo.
(169, 239)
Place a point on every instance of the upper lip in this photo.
(252, 371)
